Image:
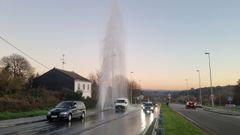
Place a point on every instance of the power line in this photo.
(30, 57)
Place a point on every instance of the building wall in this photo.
(85, 87)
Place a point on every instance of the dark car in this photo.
(67, 110)
(191, 104)
(148, 107)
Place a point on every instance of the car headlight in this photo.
(49, 113)
(63, 113)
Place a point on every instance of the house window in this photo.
(78, 88)
(83, 86)
(88, 86)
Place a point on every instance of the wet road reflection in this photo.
(134, 121)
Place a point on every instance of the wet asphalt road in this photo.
(212, 123)
(133, 121)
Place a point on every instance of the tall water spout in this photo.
(113, 82)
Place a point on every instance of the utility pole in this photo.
(63, 61)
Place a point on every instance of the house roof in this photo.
(72, 74)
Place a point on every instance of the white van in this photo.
(121, 104)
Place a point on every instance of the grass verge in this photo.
(175, 124)
(11, 115)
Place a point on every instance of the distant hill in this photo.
(221, 94)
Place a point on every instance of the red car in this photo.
(191, 104)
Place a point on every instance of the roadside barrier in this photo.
(158, 125)
(221, 111)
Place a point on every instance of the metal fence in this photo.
(158, 128)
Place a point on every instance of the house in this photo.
(57, 79)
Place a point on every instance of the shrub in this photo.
(90, 103)
(69, 95)
(31, 99)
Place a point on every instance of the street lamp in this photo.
(113, 56)
(140, 83)
(131, 86)
(200, 89)
(187, 89)
(210, 74)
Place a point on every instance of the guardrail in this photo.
(156, 127)
(221, 111)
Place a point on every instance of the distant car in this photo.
(67, 110)
(121, 104)
(191, 104)
(148, 107)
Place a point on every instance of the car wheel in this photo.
(69, 118)
(83, 115)
(50, 119)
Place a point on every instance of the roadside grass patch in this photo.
(14, 115)
(175, 124)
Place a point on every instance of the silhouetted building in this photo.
(57, 79)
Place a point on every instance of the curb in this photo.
(18, 124)
(22, 123)
(220, 111)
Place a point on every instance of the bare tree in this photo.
(17, 65)
(135, 88)
(9, 84)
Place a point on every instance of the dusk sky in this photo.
(165, 39)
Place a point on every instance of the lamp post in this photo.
(187, 89)
(113, 56)
(140, 83)
(210, 75)
(131, 86)
(200, 89)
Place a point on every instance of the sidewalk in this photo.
(29, 120)
(221, 111)
(21, 121)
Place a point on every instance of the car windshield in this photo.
(120, 101)
(65, 105)
(148, 104)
